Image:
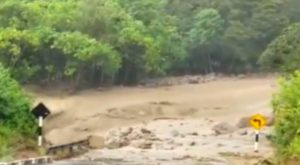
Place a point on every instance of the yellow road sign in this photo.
(257, 121)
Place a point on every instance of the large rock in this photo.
(243, 122)
(116, 142)
(142, 144)
(126, 131)
(117, 138)
(96, 142)
(223, 128)
(126, 136)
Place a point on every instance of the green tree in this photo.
(17, 124)
(207, 28)
(283, 54)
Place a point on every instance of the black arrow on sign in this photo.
(257, 121)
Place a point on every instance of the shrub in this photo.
(286, 106)
(17, 124)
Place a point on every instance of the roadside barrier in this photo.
(68, 150)
(31, 161)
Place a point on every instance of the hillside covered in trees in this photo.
(122, 41)
(98, 42)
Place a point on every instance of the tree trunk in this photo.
(210, 68)
(126, 74)
(101, 76)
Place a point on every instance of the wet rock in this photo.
(223, 128)
(167, 103)
(96, 142)
(124, 137)
(145, 131)
(183, 157)
(126, 131)
(114, 143)
(193, 143)
(142, 144)
(243, 122)
(243, 132)
(194, 134)
(153, 138)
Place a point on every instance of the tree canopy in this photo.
(120, 41)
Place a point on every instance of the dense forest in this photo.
(122, 41)
(100, 42)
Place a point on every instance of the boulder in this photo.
(243, 132)
(194, 134)
(142, 144)
(146, 131)
(193, 143)
(243, 122)
(223, 128)
(116, 142)
(96, 142)
(126, 132)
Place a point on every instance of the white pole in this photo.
(40, 131)
(40, 121)
(256, 140)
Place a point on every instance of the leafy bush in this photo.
(16, 122)
(286, 105)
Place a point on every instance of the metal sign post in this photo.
(40, 112)
(256, 140)
(257, 122)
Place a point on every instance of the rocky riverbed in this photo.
(178, 142)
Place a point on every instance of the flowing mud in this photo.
(180, 117)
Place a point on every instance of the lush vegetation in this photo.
(287, 111)
(17, 125)
(97, 42)
(92, 42)
(283, 54)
